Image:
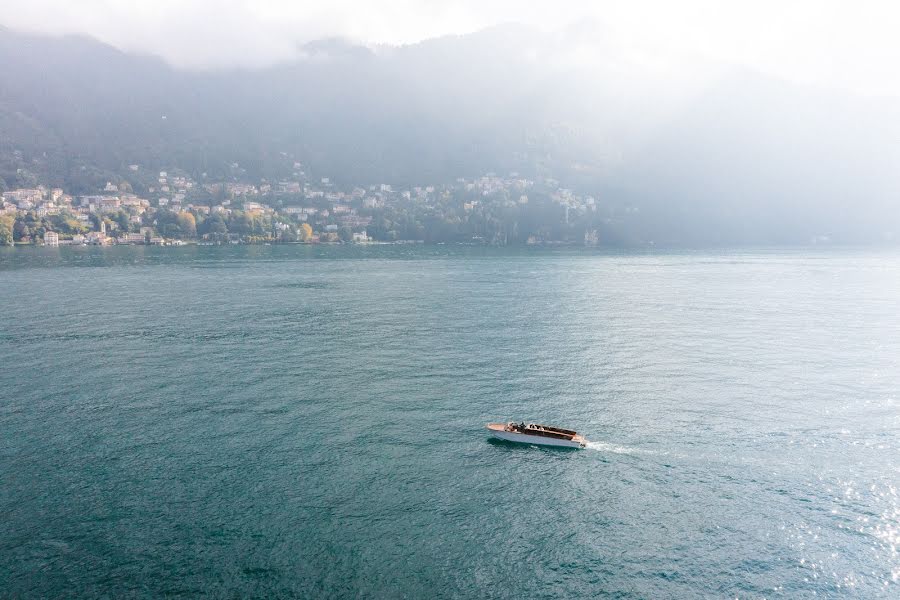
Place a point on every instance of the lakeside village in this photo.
(177, 210)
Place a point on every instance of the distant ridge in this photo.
(740, 157)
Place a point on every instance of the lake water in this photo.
(299, 421)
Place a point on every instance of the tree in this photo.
(25, 179)
(188, 224)
(167, 224)
(3, 187)
(305, 233)
(259, 227)
(287, 235)
(346, 234)
(122, 220)
(21, 232)
(213, 226)
(241, 223)
(6, 229)
(65, 222)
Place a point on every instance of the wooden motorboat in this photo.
(532, 433)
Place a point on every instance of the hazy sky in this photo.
(837, 43)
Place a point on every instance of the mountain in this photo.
(692, 152)
(415, 114)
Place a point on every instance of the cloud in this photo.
(838, 43)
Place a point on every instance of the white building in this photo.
(51, 238)
(132, 238)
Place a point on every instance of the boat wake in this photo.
(616, 449)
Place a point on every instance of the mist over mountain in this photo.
(694, 152)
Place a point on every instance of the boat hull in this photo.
(511, 436)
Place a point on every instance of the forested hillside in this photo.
(734, 156)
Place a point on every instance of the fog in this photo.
(756, 122)
(834, 43)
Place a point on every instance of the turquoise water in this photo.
(294, 421)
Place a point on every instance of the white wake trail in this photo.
(616, 449)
